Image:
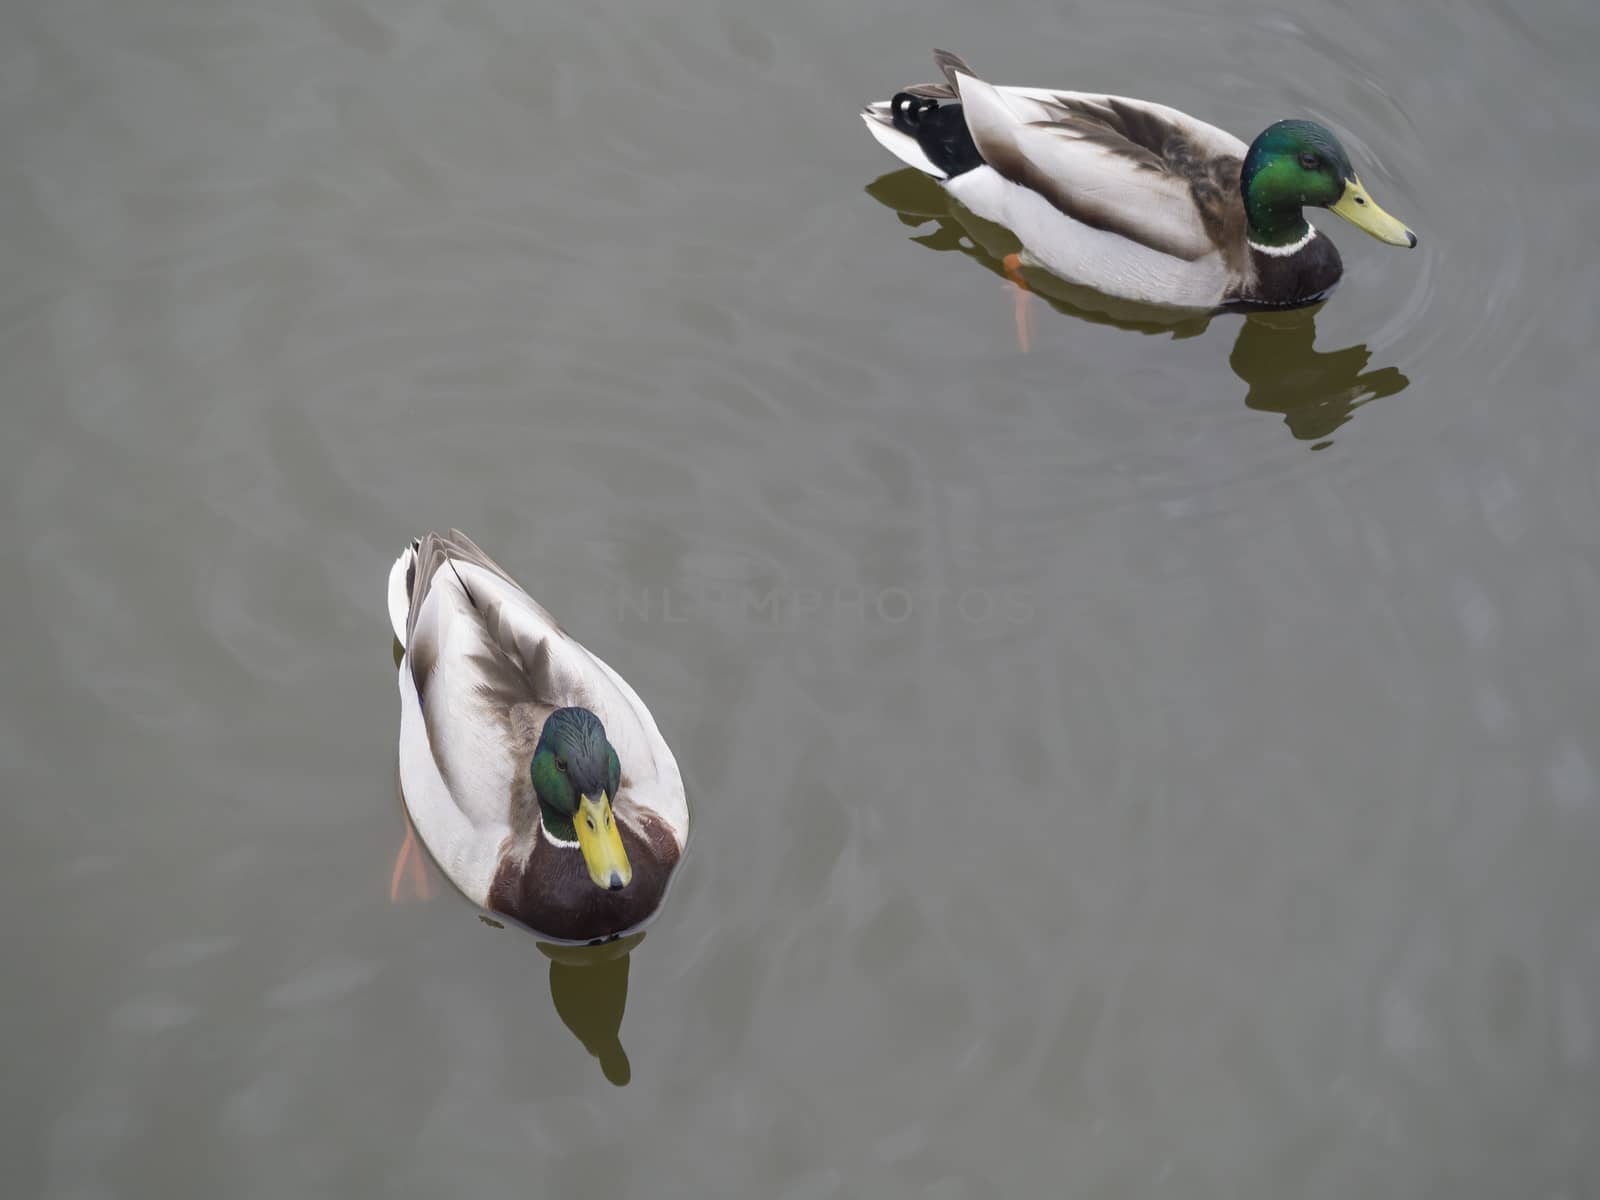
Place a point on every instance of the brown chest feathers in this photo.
(552, 894)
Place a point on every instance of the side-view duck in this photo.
(1135, 199)
(533, 773)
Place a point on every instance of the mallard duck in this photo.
(532, 772)
(1135, 199)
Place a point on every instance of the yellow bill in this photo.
(601, 843)
(1357, 207)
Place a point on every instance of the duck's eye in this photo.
(561, 765)
(1310, 161)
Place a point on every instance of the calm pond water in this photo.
(1161, 763)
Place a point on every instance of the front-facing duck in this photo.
(533, 773)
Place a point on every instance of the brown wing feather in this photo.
(948, 63)
(1148, 144)
(1139, 134)
(1155, 143)
(1086, 207)
(512, 665)
(951, 64)
(1214, 184)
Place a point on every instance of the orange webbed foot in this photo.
(409, 879)
(1023, 310)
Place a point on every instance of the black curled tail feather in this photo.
(940, 129)
(907, 111)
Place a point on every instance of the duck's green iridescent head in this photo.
(575, 776)
(1295, 163)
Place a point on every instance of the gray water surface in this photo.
(1161, 763)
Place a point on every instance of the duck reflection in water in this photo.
(589, 988)
(1275, 355)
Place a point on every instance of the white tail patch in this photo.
(399, 597)
(902, 145)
